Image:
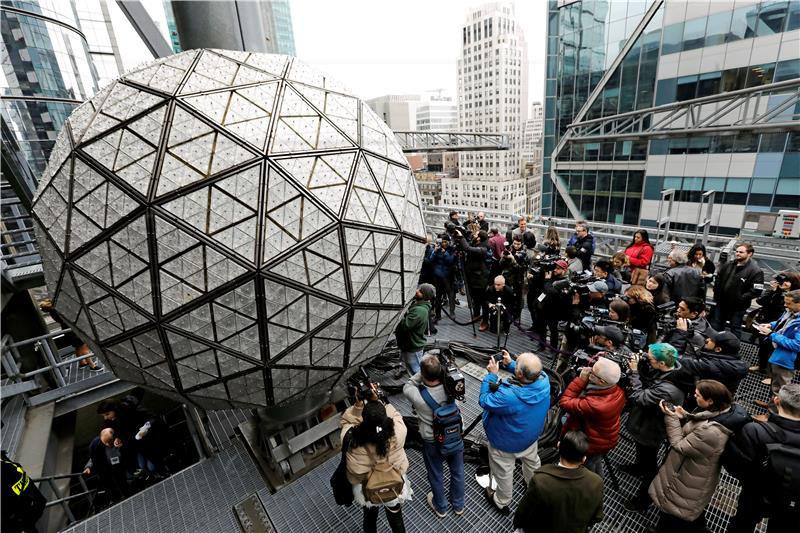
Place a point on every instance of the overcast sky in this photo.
(383, 47)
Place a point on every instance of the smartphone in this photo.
(669, 406)
(498, 357)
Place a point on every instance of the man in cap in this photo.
(413, 327)
(594, 403)
(719, 360)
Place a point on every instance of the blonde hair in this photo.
(640, 294)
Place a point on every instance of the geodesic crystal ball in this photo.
(230, 227)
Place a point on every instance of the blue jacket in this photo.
(787, 344)
(514, 415)
(443, 261)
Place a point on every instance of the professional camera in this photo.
(587, 358)
(780, 278)
(452, 378)
(634, 339)
(576, 284)
(362, 387)
(541, 263)
(665, 318)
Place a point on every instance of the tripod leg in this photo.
(469, 296)
(611, 472)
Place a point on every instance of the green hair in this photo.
(665, 352)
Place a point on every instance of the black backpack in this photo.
(781, 471)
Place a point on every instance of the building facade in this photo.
(492, 98)
(437, 112)
(399, 111)
(632, 57)
(281, 21)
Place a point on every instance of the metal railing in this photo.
(64, 497)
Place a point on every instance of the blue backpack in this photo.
(447, 424)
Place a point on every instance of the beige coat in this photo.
(687, 479)
(361, 460)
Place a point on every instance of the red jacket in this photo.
(639, 254)
(595, 412)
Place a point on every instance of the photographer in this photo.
(652, 381)
(491, 312)
(430, 379)
(642, 311)
(718, 360)
(594, 404)
(554, 304)
(444, 263)
(619, 311)
(513, 267)
(771, 309)
(377, 435)
(691, 328)
(412, 328)
(476, 268)
(513, 418)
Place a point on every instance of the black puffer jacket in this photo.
(684, 281)
(747, 449)
(727, 369)
(771, 303)
(736, 286)
(649, 387)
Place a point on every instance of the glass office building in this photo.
(282, 27)
(679, 53)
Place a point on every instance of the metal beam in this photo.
(450, 141)
(145, 27)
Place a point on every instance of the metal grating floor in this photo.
(14, 410)
(201, 498)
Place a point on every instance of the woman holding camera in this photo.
(376, 438)
(688, 478)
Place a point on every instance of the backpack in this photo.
(781, 472)
(447, 424)
(384, 484)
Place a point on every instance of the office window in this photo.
(772, 142)
(771, 17)
(718, 26)
(787, 70)
(694, 33)
(760, 75)
(673, 39)
(743, 24)
(686, 88)
(709, 84)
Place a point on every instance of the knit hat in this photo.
(562, 264)
(606, 370)
(727, 341)
(613, 333)
(428, 291)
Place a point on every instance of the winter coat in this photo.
(561, 500)
(528, 237)
(640, 254)
(728, 369)
(555, 304)
(476, 271)
(514, 415)
(443, 263)
(497, 244)
(575, 266)
(506, 295)
(585, 248)
(362, 459)
(787, 344)
(643, 318)
(736, 286)
(649, 387)
(596, 412)
(747, 449)
(411, 329)
(771, 303)
(688, 478)
(426, 272)
(684, 281)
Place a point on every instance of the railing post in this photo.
(59, 377)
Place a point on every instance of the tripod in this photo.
(502, 312)
(466, 291)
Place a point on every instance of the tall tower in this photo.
(492, 98)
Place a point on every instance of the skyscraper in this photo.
(281, 15)
(492, 98)
(667, 66)
(532, 158)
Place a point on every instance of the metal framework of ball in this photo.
(231, 228)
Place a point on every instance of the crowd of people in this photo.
(651, 345)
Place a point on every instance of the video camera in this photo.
(587, 358)
(362, 387)
(454, 383)
(541, 263)
(634, 339)
(576, 284)
(665, 318)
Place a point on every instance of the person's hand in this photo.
(786, 285)
(680, 412)
(492, 367)
(548, 274)
(764, 329)
(666, 410)
(491, 306)
(506, 358)
(576, 299)
(142, 434)
(773, 284)
(633, 363)
(87, 471)
(682, 324)
(585, 371)
(117, 443)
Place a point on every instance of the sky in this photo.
(384, 47)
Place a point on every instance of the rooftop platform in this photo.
(202, 497)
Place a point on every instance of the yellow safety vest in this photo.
(19, 486)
